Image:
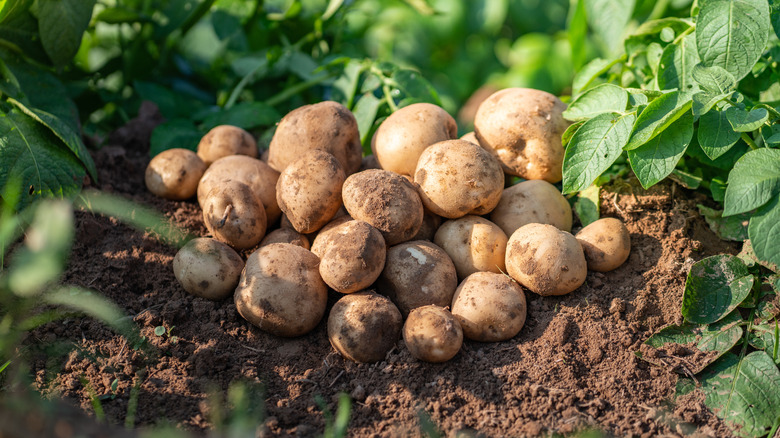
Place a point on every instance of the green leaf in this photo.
(715, 135)
(593, 148)
(608, 19)
(774, 15)
(732, 34)
(365, 113)
(746, 121)
(657, 116)
(733, 228)
(414, 85)
(714, 80)
(159, 330)
(119, 16)
(689, 180)
(653, 27)
(753, 181)
(346, 84)
(175, 133)
(569, 133)
(578, 33)
(603, 98)
(20, 32)
(333, 6)
(656, 159)
(61, 24)
(246, 115)
(714, 288)
(94, 305)
(764, 231)
(589, 73)
(764, 337)
(12, 8)
(587, 205)
(677, 65)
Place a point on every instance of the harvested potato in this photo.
(224, 140)
(364, 326)
(387, 201)
(416, 274)
(606, 244)
(470, 136)
(523, 128)
(474, 244)
(532, 202)
(207, 268)
(402, 137)
(174, 174)
(457, 177)
(546, 260)
(286, 235)
(235, 215)
(489, 307)
(327, 126)
(432, 334)
(281, 291)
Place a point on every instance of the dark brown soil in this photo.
(571, 367)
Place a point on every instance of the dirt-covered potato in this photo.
(402, 137)
(235, 215)
(432, 334)
(225, 140)
(309, 190)
(523, 128)
(546, 260)
(286, 235)
(281, 291)
(474, 244)
(387, 201)
(207, 268)
(489, 307)
(606, 244)
(532, 202)
(416, 274)
(250, 171)
(327, 126)
(174, 174)
(364, 326)
(457, 177)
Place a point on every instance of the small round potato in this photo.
(416, 274)
(606, 244)
(225, 140)
(457, 177)
(403, 136)
(532, 202)
(489, 307)
(387, 201)
(234, 215)
(281, 291)
(174, 174)
(523, 128)
(286, 235)
(546, 260)
(474, 244)
(207, 268)
(432, 334)
(364, 326)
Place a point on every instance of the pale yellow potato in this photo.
(174, 174)
(470, 136)
(489, 307)
(233, 214)
(606, 244)
(532, 202)
(286, 235)
(432, 334)
(224, 140)
(474, 244)
(207, 268)
(364, 326)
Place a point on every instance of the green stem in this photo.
(242, 84)
(295, 89)
(196, 15)
(746, 138)
(685, 33)
(389, 98)
(658, 10)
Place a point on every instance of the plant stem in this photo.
(685, 33)
(389, 98)
(295, 89)
(658, 10)
(746, 138)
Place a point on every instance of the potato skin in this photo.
(606, 244)
(532, 202)
(545, 260)
(286, 235)
(432, 334)
(234, 214)
(470, 136)
(489, 307)
(281, 291)
(174, 174)
(224, 140)
(474, 244)
(522, 127)
(364, 326)
(207, 268)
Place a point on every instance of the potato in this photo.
(309, 190)
(224, 140)
(523, 128)
(250, 171)
(281, 291)
(327, 126)
(474, 244)
(606, 244)
(416, 274)
(532, 202)
(387, 201)
(457, 178)
(545, 260)
(430, 224)
(174, 174)
(470, 136)
(207, 268)
(489, 307)
(235, 215)
(364, 326)
(402, 137)
(286, 235)
(432, 334)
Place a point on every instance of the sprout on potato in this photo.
(224, 140)
(235, 215)
(207, 268)
(174, 174)
(606, 244)
(431, 333)
(489, 307)
(532, 202)
(364, 326)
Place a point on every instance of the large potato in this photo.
(364, 326)
(224, 140)
(432, 334)
(523, 128)
(207, 268)
(402, 137)
(286, 235)
(606, 243)
(174, 174)
(532, 202)
(327, 126)
(235, 215)
(474, 244)
(489, 307)
(281, 291)
(457, 177)
(546, 260)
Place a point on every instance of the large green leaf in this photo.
(677, 65)
(587, 205)
(61, 24)
(753, 181)
(604, 98)
(763, 337)
(715, 134)
(764, 231)
(657, 116)
(734, 228)
(715, 83)
(714, 288)
(20, 29)
(589, 73)
(746, 121)
(365, 113)
(608, 19)
(732, 34)
(656, 159)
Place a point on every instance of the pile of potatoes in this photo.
(421, 240)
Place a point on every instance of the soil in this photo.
(572, 366)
